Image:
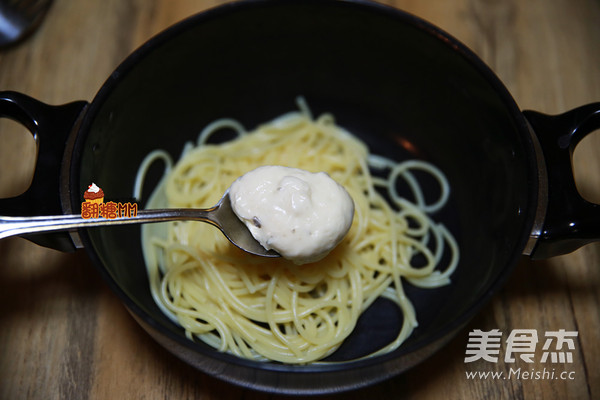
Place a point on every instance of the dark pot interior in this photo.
(402, 86)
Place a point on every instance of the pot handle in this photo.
(570, 221)
(50, 127)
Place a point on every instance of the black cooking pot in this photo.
(403, 86)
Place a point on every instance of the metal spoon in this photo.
(19, 18)
(221, 216)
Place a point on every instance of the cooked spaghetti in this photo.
(273, 309)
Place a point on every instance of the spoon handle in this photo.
(13, 226)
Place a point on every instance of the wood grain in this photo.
(64, 335)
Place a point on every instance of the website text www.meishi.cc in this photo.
(523, 374)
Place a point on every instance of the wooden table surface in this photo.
(65, 335)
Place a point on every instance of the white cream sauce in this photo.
(300, 214)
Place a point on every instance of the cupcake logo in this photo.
(95, 207)
(94, 194)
